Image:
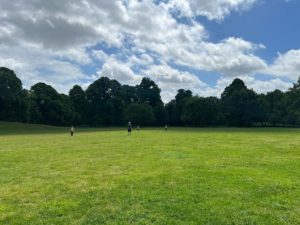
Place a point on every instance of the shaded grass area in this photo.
(183, 176)
(27, 129)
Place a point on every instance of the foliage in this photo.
(79, 103)
(139, 114)
(148, 92)
(239, 104)
(106, 102)
(198, 111)
(13, 99)
(49, 107)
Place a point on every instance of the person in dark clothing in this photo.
(129, 128)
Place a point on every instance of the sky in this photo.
(200, 45)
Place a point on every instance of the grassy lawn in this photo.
(183, 176)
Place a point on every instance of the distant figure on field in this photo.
(72, 130)
(166, 127)
(138, 128)
(129, 128)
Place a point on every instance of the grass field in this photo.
(183, 176)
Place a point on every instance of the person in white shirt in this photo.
(72, 130)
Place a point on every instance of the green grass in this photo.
(183, 176)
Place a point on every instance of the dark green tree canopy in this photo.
(79, 103)
(108, 103)
(175, 107)
(236, 86)
(129, 94)
(76, 92)
(182, 94)
(139, 114)
(239, 104)
(13, 100)
(10, 84)
(49, 107)
(44, 91)
(148, 92)
(199, 111)
(104, 100)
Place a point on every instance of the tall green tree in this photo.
(13, 99)
(172, 113)
(105, 105)
(261, 115)
(175, 107)
(107, 102)
(239, 104)
(161, 117)
(148, 92)
(49, 107)
(129, 94)
(276, 109)
(292, 105)
(79, 103)
(182, 95)
(199, 111)
(140, 114)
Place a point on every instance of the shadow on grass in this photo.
(12, 128)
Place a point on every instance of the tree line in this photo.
(108, 103)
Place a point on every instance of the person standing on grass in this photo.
(129, 128)
(166, 127)
(138, 128)
(72, 130)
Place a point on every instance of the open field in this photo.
(183, 176)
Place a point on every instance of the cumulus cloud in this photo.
(41, 66)
(170, 80)
(54, 41)
(231, 57)
(143, 60)
(120, 72)
(260, 86)
(287, 65)
(212, 9)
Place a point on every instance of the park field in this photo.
(220, 176)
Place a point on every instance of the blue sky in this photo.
(273, 23)
(201, 45)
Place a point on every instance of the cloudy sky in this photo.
(199, 45)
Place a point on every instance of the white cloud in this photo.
(100, 55)
(231, 57)
(259, 86)
(120, 72)
(170, 80)
(212, 9)
(50, 41)
(143, 60)
(41, 66)
(286, 65)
